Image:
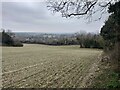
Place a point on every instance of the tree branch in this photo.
(75, 14)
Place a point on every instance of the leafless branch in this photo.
(70, 8)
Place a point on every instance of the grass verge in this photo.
(107, 77)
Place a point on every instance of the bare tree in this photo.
(69, 8)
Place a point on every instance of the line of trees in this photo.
(53, 41)
(85, 40)
(111, 30)
(111, 34)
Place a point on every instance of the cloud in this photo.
(35, 17)
(22, 0)
(21, 13)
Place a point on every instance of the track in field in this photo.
(62, 67)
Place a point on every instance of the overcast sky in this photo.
(33, 16)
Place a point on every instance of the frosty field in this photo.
(46, 66)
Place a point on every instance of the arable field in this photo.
(46, 66)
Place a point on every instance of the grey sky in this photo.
(35, 17)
